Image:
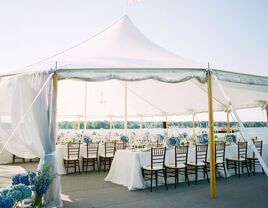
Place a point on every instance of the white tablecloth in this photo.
(62, 151)
(126, 165)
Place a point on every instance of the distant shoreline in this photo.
(154, 124)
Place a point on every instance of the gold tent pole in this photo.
(228, 122)
(266, 116)
(125, 113)
(211, 137)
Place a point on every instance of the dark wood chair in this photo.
(252, 159)
(107, 157)
(219, 157)
(200, 163)
(156, 168)
(126, 145)
(240, 160)
(119, 146)
(15, 157)
(179, 167)
(72, 160)
(91, 158)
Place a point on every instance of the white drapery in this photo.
(27, 122)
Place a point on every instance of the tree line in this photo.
(153, 124)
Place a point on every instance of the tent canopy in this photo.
(122, 53)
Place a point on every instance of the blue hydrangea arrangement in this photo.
(21, 178)
(185, 135)
(203, 139)
(124, 138)
(87, 140)
(14, 194)
(173, 141)
(41, 180)
(231, 138)
(6, 202)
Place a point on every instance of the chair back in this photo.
(201, 153)
(119, 146)
(93, 149)
(158, 155)
(242, 150)
(109, 148)
(258, 145)
(181, 155)
(73, 150)
(220, 151)
(126, 145)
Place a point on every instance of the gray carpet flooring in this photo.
(90, 190)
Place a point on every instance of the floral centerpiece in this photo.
(123, 138)
(87, 139)
(173, 141)
(138, 145)
(183, 142)
(255, 138)
(230, 138)
(202, 138)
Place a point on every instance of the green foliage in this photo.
(152, 124)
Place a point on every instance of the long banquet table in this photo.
(62, 151)
(126, 165)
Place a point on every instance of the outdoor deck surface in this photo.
(90, 190)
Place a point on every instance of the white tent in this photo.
(121, 54)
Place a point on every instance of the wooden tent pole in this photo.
(111, 124)
(85, 115)
(211, 137)
(266, 116)
(193, 124)
(125, 120)
(141, 123)
(228, 121)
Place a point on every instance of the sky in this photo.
(231, 35)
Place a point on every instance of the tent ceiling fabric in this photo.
(122, 53)
(122, 45)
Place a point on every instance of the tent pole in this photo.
(78, 124)
(211, 137)
(266, 117)
(141, 123)
(85, 115)
(166, 131)
(111, 124)
(228, 121)
(125, 120)
(193, 124)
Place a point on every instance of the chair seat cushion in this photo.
(194, 164)
(90, 157)
(219, 161)
(71, 158)
(251, 157)
(110, 155)
(157, 167)
(179, 165)
(236, 159)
